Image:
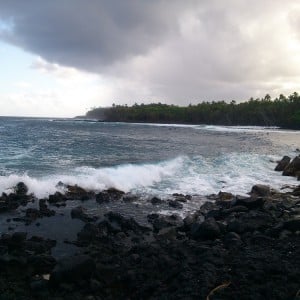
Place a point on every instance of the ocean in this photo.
(145, 159)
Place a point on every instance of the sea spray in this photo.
(234, 172)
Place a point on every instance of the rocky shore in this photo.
(233, 247)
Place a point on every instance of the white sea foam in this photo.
(124, 177)
(235, 173)
(220, 128)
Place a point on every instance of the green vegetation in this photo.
(282, 111)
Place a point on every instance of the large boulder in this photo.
(21, 189)
(260, 190)
(283, 163)
(293, 168)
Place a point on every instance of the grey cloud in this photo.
(227, 52)
(177, 51)
(89, 34)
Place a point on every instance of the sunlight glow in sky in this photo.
(59, 60)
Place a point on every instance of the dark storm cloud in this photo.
(88, 34)
(178, 51)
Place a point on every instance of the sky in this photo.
(60, 58)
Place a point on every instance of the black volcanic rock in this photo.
(156, 201)
(209, 229)
(75, 192)
(249, 251)
(109, 195)
(283, 163)
(21, 189)
(250, 203)
(260, 190)
(72, 269)
(293, 167)
(175, 204)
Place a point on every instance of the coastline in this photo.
(206, 254)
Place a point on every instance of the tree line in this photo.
(282, 111)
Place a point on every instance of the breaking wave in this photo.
(234, 172)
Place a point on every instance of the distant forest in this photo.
(282, 111)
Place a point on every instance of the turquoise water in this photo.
(142, 158)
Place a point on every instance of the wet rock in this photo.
(293, 167)
(225, 196)
(260, 190)
(80, 213)
(21, 189)
(181, 197)
(130, 198)
(75, 192)
(156, 201)
(56, 197)
(32, 213)
(209, 229)
(44, 210)
(296, 191)
(14, 200)
(125, 224)
(72, 269)
(160, 221)
(175, 204)
(109, 195)
(283, 163)
(89, 232)
(42, 204)
(3, 203)
(189, 220)
(207, 206)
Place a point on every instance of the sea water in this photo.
(147, 159)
